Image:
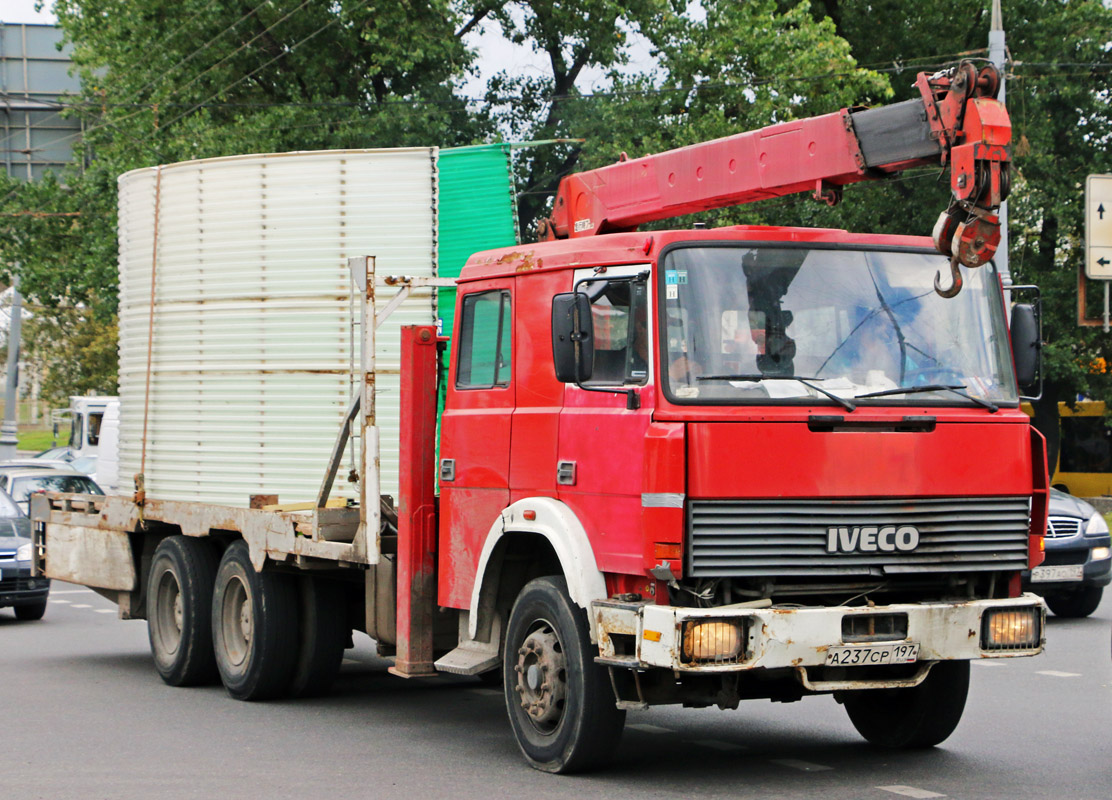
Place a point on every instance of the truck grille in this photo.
(783, 538)
(1062, 527)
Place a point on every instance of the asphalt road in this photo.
(83, 714)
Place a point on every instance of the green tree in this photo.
(736, 67)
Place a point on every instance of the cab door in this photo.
(475, 433)
(601, 447)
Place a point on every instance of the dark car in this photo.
(25, 594)
(1078, 561)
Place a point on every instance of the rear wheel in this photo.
(30, 612)
(254, 627)
(560, 702)
(921, 716)
(323, 635)
(179, 610)
(1080, 603)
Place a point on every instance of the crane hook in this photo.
(955, 286)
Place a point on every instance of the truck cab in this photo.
(86, 413)
(778, 455)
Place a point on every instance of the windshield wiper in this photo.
(757, 377)
(956, 388)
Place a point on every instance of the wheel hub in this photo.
(542, 678)
(245, 621)
(178, 612)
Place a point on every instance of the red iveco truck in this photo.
(687, 466)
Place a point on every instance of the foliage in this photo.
(76, 353)
(740, 66)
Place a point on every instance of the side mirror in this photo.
(573, 337)
(1026, 344)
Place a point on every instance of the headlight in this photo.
(718, 641)
(1011, 629)
(24, 552)
(1096, 526)
(1100, 553)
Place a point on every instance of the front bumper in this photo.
(643, 636)
(18, 588)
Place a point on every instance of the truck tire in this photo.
(31, 611)
(1077, 604)
(323, 635)
(921, 716)
(179, 610)
(254, 627)
(560, 703)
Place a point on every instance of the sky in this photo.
(24, 11)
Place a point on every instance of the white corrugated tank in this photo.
(254, 333)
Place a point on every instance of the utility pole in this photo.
(997, 54)
(9, 430)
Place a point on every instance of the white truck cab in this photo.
(86, 416)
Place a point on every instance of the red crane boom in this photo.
(956, 122)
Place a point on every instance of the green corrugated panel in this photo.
(477, 212)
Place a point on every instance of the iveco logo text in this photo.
(872, 539)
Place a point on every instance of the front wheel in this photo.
(1076, 604)
(921, 716)
(31, 611)
(560, 703)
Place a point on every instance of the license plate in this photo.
(849, 655)
(1045, 574)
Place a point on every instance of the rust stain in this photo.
(972, 633)
(522, 261)
(796, 662)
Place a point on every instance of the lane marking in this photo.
(81, 605)
(66, 602)
(644, 727)
(1056, 674)
(909, 791)
(71, 591)
(803, 766)
(714, 744)
(988, 663)
(105, 610)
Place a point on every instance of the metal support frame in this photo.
(362, 403)
(417, 530)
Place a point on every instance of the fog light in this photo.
(1100, 553)
(1011, 629)
(713, 640)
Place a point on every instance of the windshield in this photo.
(23, 488)
(8, 508)
(743, 323)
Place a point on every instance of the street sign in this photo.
(1098, 227)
